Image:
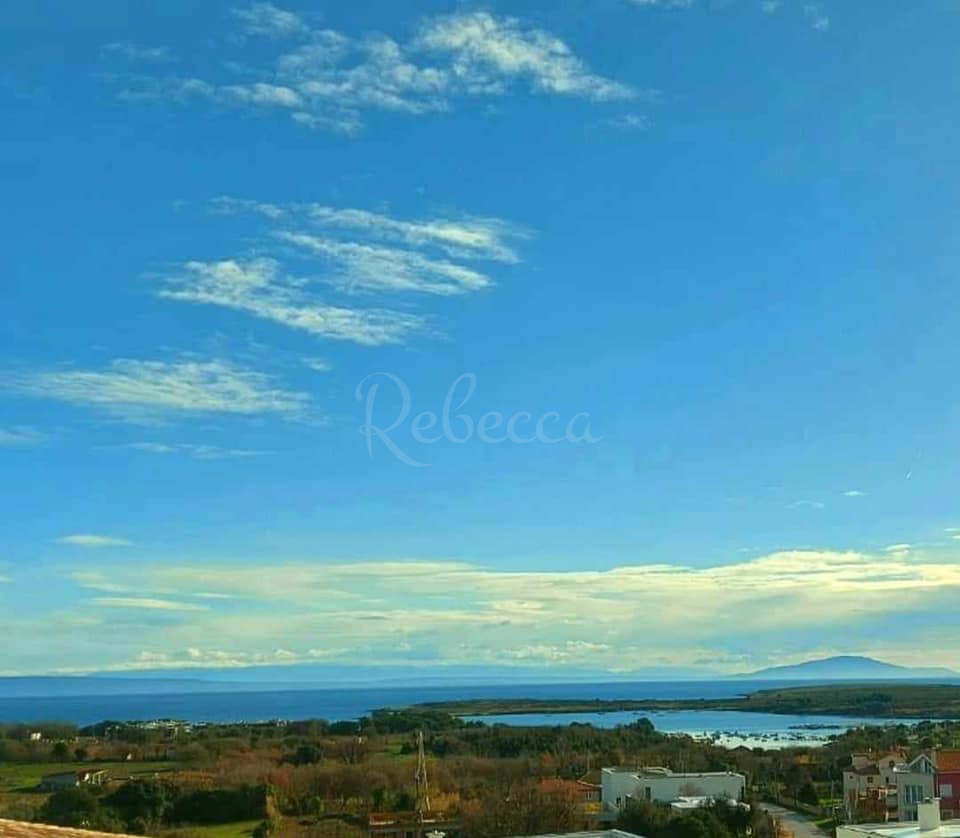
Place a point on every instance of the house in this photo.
(661, 785)
(928, 825)
(915, 783)
(72, 779)
(870, 784)
(947, 781)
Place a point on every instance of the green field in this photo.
(240, 829)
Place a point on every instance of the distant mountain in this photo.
(848, 667)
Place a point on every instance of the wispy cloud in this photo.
(147, 603)
(817, 17)
(194, 450)
(259, 288)
(805, 504)
(492, 239)
(270, 21)
(373, 611)
(664, 4)
(136, 389)
(367, 267)
(20, 437)
(331, 80)
(137, 52)
(350, 251)
(317, 364)
(487, 52)
(854, 493)
(630, 122)
(88, 540)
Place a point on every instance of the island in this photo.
(893, 701)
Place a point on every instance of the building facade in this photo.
(661, 785)
(947, 781)
(915, 783)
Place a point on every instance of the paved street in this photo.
(800, 825)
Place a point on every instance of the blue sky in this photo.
(724, 229)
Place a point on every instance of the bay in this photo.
(224, 702)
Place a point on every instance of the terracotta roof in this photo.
(948, 760)
(21, 829)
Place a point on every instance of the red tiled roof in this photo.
(20, 829)
(948, 760)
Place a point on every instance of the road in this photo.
(800, 825)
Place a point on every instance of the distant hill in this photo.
(848, 667)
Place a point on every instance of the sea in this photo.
(239, 703)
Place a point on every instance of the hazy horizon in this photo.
(607, 336)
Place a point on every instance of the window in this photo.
(946, 789)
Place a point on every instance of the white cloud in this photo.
(666, 4)
(368, 267)
(194, 450)
(487, 52)
(147, 603)
(85, 540)
(136, 52)
(630, 122)
(258, 288)
(620, 618)
(138, 389)
(331, 80)
(270, 21)
(317, 364)
(491, 239)
(818, 20)
(854, 493)
(346, 250)
(805, 504)
(481, 238)
(260, 93)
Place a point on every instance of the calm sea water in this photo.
(228, 704)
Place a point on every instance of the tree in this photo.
(144, 803)
(808, 795)
(70, 807)
(80, 754)
(307, 755)
(60, 752)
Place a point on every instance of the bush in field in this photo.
(70, 807)
(210, 806)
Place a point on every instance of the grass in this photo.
(19, 780)
(26, 775)
(239, 829)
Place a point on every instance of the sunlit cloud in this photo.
(329, 80)
(630, 616)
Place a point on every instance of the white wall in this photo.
(663, 789)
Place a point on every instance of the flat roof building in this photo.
(927, 825)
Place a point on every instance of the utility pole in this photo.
(423, 786)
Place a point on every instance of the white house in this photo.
(661, 785)
(914, 785)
